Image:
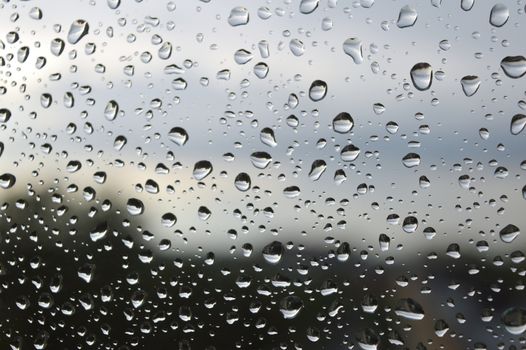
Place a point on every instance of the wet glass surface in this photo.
(292, 174)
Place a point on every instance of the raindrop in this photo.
(514, 66)
(422, 76)
(242, 182)
(499, 15)
(178, 135)
(470, 84)
(202, 169)
(353, 48)
(343, 123)
(518, 122)
(308, 6)
(238, 16)
(78, 29)
(318, 90)
(407, 17)
(509, 233)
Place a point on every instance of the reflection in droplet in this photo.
(514, 320)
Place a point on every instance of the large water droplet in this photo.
(411, 160)
(318, 90)
(290, 306)
(7, 181)
(509, 233)
(260, 159)
(499, 15)
(343, 123)
(422, 76)
(514, 66)
(178, 135)
(111, 110)
(202, 169)
(238, 16)
(514, 320)
(242, 182)
(308, 6)
(135, 206)
(407, 17)
(466, 5)
(77, 31)
(410, 309)
(273, 252)
(518, 122)
(317, 169)
(470, 84)
(349, 153)
(353, 48)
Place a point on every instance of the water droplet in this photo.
(514, 66)
(135, 206)
(260, 159)
(5, 115)
(290, 306)
(518, 122)
(111, 110)
(410, 224)
(317, 169)
(466, 5)
(407, 17)
(273, 252)
(77, 31)
(202, 169)
(509, 233)
(470, 84)
(353, 48)
(318, 90)
(238, 16)
(422, 76)
(349, 153)
(297, 47)
(499, 15)
(267, 137)
(411, 160)
(409, 309)
(242, 182)
(308, 6)
(7, 181)
(343, 123)
(178, 135)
